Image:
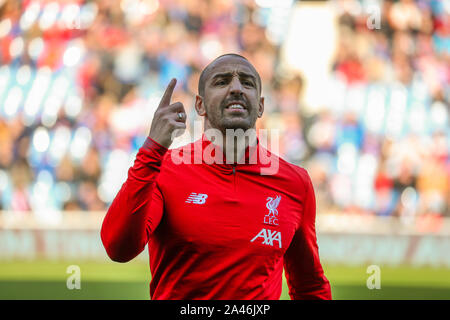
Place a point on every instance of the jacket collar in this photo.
(213, 154)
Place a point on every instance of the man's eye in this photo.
(221, 82)
(248, 83)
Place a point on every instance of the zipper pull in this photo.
(234, 170)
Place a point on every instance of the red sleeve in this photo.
(303, 270)
(137, 208)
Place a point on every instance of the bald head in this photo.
(207, 71)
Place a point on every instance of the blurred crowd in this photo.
(385, 134)
(80, 80)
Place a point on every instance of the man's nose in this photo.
(235, 86)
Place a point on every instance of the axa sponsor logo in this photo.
(268, 237)
(272, 205)
(197, 198)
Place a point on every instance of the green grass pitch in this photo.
(109, 280)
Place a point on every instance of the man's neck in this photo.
(233, 146)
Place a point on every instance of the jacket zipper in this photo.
(234, 178)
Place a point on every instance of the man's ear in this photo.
(200, 106)
(261, 107)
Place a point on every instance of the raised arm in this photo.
(138, 207)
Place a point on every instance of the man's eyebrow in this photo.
(230, 74)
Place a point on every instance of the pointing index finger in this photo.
(165, 101)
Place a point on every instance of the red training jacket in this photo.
(217, 231)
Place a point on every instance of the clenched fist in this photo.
(168, 118)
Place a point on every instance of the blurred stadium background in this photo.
(359, 90)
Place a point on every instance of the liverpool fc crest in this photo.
(272, 204)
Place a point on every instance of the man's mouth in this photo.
(236, 106)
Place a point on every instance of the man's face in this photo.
(231, 96)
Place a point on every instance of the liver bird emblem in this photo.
(272, 205)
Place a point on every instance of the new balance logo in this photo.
(197, 198)
(269, 237)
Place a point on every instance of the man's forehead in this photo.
(230, 64)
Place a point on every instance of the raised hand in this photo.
(168, 118)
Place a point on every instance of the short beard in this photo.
(225, 124)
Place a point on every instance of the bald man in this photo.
(217, 229)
